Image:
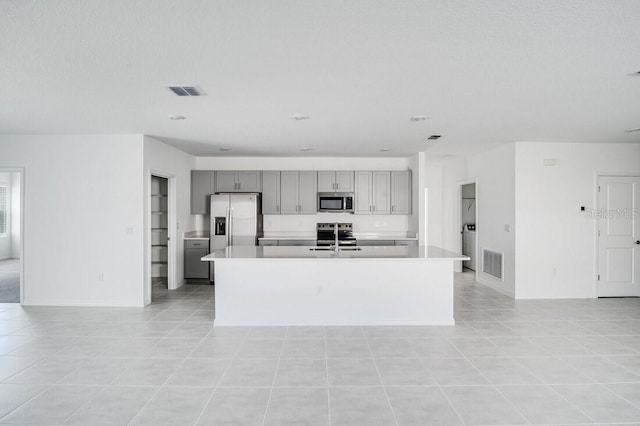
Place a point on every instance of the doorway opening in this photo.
(161, 257)
(11, 276)
(467, 225)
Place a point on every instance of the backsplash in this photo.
(306, 224)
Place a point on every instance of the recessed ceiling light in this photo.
(224, 148)
(434, 137)
(418, 118)
(632, 130)
(306, 148)
(299, 117)
(385, 149)
(177, 117)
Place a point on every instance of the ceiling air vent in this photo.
(187, 90)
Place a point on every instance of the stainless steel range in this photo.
(326, 234)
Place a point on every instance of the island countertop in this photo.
(427, 253)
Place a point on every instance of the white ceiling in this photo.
(485, 72)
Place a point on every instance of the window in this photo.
(3, 210)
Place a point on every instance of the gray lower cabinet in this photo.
(287, 243)
(406, 242)
(376, 243)
(296, 242)
(270, 192)
(202, 186)
(194, 250)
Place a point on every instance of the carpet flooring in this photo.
(10, 281)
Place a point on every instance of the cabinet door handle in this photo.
(277, 208)
(391, 208)
(369, 208)
(374, 209)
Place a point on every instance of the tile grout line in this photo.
(165, 381)
(275, 376)
(384, 388)
(326, 364)
(217, 386)
(495, 387)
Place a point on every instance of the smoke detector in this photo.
(190, 90)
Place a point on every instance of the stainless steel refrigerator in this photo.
(236, 219)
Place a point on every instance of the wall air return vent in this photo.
(492, 263)
(187, 90)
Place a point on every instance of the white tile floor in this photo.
(505, 362)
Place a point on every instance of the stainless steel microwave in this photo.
(337, 202)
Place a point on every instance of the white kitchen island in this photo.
(280, 285)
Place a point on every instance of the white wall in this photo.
(556, 243)
(83, 217)
(165, 160)
(418, 182)
(494, 171)
(15, 215)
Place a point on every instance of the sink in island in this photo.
(293, 285)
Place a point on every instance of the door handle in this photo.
(638, 242)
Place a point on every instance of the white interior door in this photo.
(619, 236)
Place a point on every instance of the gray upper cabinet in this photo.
(401, 192)
(363, 193)
(341, 181)
(238, 181)
(202, 186)
(270, 192)
(308, 192)
(372, 192)
(298, 192)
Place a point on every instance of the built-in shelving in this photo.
(159, 227)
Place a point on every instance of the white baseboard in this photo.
(87, 303)
(494, 286)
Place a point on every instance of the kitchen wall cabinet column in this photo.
(372, 192)
(340, 181)
(270, 192)
(298, 192)
(401, 192)
(202, 186)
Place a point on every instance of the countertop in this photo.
(196, 235)
(359, 236)
(426, 253)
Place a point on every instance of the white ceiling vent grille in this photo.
(187, 90)
(492, 263)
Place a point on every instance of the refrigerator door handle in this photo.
(228, 227)
(231, 227)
